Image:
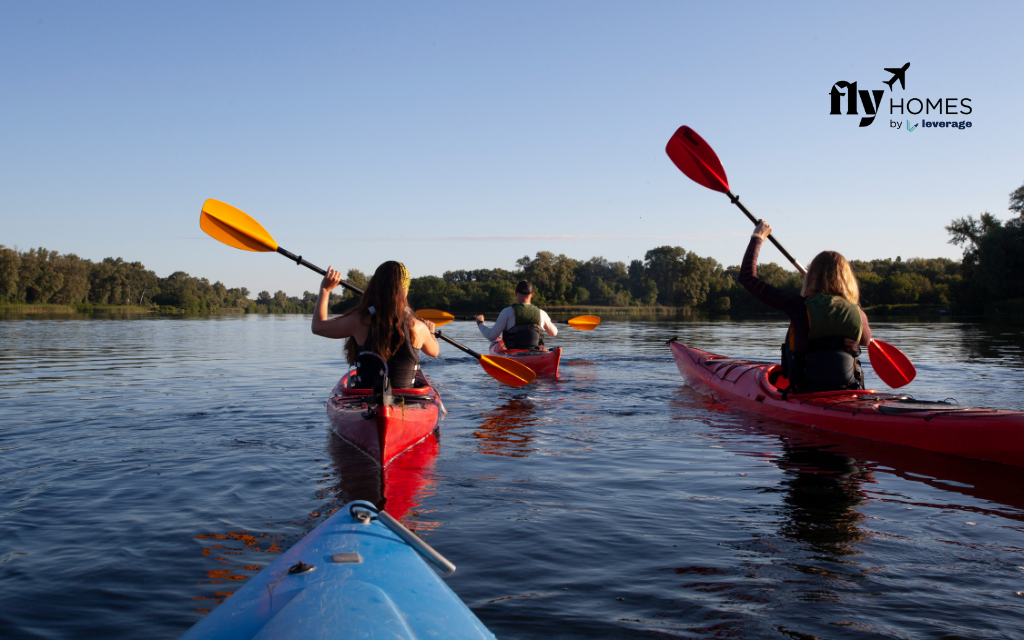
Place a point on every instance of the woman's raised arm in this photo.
(336, 328)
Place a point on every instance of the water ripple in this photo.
(151, 466)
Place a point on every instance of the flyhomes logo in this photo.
(871, 102)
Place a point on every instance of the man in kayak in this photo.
(827, 327)
(521, 326)
(380, 331)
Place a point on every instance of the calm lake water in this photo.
(148, 467)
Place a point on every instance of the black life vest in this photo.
(526, 333)
(829, 363)
(399, 372)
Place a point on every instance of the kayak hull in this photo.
(384, 433)
(982, 434)
(365, 583)
(542, 361)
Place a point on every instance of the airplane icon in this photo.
(898, 74)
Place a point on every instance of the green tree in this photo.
(10, 263)
(553, 277)
(663, 266)
(356, 278)
(682, 277)
(603, 283)
(40, 275)
(75, 280)
(993, 256)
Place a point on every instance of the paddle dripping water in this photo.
(151, 464)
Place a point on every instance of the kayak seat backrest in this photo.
(776, 383)
(422, 387)
(776, 378)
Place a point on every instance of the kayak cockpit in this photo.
(769, 377)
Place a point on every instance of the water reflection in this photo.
(400, 488)
(563, 508)
(822, 493)
(1004, 342)
(508, 430)
(833, 474)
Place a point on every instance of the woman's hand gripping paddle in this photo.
(237, 229)
(695, 157)
(441, 318)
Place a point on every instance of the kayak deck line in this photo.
(993, 435)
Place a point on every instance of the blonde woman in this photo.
(826, 325)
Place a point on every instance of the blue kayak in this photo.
(360, 574)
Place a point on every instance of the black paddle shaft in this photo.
(354, 289)
(438, 334)
(298, 260)
(474, 318)
(736, 201)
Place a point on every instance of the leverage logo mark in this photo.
(870, 100)
(911, 128)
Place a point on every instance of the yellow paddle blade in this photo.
(439, 318)
(585, 323)
(234, 227)
(507, 370)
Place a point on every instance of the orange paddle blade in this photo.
(234, 227)
(439, 318)
(894, 368)
(507, 370)
(584, 323)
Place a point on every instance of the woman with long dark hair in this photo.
(382, 333)
(826, 324)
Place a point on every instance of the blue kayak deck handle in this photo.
(408, 537)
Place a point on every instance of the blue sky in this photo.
(467, 135)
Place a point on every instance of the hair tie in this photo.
(406, 279)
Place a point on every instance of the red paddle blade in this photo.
(507, 370)
(697, 159)
(894, 368)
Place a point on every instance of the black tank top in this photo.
(402, 366)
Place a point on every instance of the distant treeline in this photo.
(39, 276)
(670, 277)
(990, 274)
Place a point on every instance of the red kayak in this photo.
(542, 361)
(943, 427)
(384, 432)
